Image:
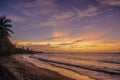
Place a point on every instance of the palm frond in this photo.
(8, 25)
(6, 21)
(10, 30)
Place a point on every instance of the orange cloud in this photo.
(59, 33)
(52, 38)
(91, 35)
(71, 43)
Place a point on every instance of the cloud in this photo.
(60, 33)
(75, 13)
(70, 43)
(39, 3)
(76, 41)
(16, 18)
(110, 2)
(63, 15)
(49, 23)
(53, 38)
(37, 7)
(92, 35)
(57, 35)
(94, 32)
(110, 42)
(73, 42)
(90, 11)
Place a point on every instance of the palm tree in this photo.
(5, 30)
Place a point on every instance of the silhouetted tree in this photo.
(5, 30)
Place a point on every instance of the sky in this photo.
(64, 25)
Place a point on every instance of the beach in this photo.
(63, 66)
(20, 70)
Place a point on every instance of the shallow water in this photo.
(80, 66)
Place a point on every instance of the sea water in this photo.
(83, 66)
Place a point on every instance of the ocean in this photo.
(83, 66)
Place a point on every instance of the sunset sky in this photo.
(65, 25)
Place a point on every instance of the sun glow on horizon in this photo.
(72, 46)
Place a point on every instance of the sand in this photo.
(13, 69)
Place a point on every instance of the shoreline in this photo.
(26, 71)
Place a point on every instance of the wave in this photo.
(94, 67)
(80, 65)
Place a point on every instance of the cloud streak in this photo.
(37, 7)
(110, 2)
(64, 15)
(71, 43)
(17, 18)
(90, 11)
(52, 38)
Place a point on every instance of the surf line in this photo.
(62, 71)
